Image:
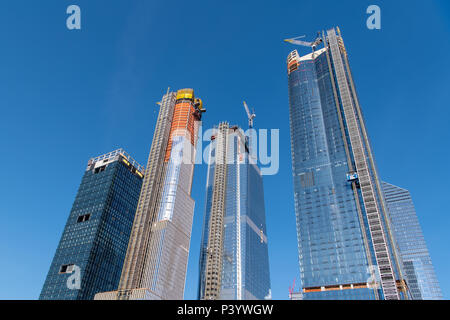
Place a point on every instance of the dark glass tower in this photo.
(419, 272)
(92, 248)
(234, 263)
(344, 237)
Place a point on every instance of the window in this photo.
(100, 169)
(84, 217)
(307, 179)
(66, 268)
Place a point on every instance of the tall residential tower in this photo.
(157, 255)
(92, 248)
(419, 272)
(234, 262)
(344, 236)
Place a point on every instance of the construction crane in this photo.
(250, 116)
(312, 45)
(291, 290)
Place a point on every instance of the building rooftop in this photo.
(115, 154)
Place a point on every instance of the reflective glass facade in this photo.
(419, 271)
(95, 238)
(336, 253)
(244, 252)
(171, 232)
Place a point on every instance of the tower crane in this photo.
(313, 44)
(250, 116)
(291, 290)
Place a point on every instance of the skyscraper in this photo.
(234, 261)
(419, 271)
(344, 236)
(156, 260)
(92, 248)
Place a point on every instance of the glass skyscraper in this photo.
(345, 244)
(91, 252)
(419, 272)
(157, 255)
(234, 261)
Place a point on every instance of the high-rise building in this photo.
(344, 236)
(156, 260)
(234, 262)
(419, 272)
(92, 248)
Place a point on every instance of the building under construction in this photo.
(345, 242)
(234, 255)
(156, 260)
(90, 254)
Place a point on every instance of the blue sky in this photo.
(66, 96)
